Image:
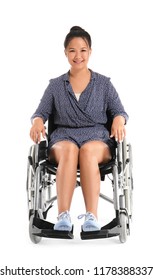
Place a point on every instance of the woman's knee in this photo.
(64, 150)
(94, 150)
(86, 153)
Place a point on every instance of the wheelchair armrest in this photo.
(42, 150)
(123, 154)
(38, 153)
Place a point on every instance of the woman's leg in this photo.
(91, 154)
(65, 153)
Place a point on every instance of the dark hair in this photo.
(77, 31)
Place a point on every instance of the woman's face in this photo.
(78, 53)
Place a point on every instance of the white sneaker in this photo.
(64, 222)
(90, 223)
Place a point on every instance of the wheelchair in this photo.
(41, 179)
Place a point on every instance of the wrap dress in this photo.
(80, 120)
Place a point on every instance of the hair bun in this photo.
(76, 29)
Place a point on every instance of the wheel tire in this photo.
(30, 183)
(123, 229)
(34, 238)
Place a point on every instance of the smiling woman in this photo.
(81, 136)
(78, 50)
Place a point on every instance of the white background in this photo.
(31, 52)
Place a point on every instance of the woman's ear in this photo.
(65, 52)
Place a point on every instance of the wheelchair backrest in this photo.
(51, 124)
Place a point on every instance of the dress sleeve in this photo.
(45, 106)
(115, 106)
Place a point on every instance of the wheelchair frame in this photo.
(41, 178)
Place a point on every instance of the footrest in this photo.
(109, 230)
(45, 229)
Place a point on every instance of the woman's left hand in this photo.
(118, 128)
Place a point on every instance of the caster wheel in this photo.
(124, 229)
(34, 238)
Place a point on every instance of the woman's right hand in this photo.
(37, 129)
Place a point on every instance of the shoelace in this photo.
(64, 215)
(88, 216)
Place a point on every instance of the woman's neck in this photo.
(77, 74)
(80, 79)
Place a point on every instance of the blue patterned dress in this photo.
(80, 120)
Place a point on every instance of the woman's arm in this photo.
(41, 115)
(118, 130)
(118, 114)
(37, 129)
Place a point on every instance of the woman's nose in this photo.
(77, 54)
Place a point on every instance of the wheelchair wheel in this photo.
(124, 228)
(30, 182)
(34, 238)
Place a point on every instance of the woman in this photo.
(80, 100)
